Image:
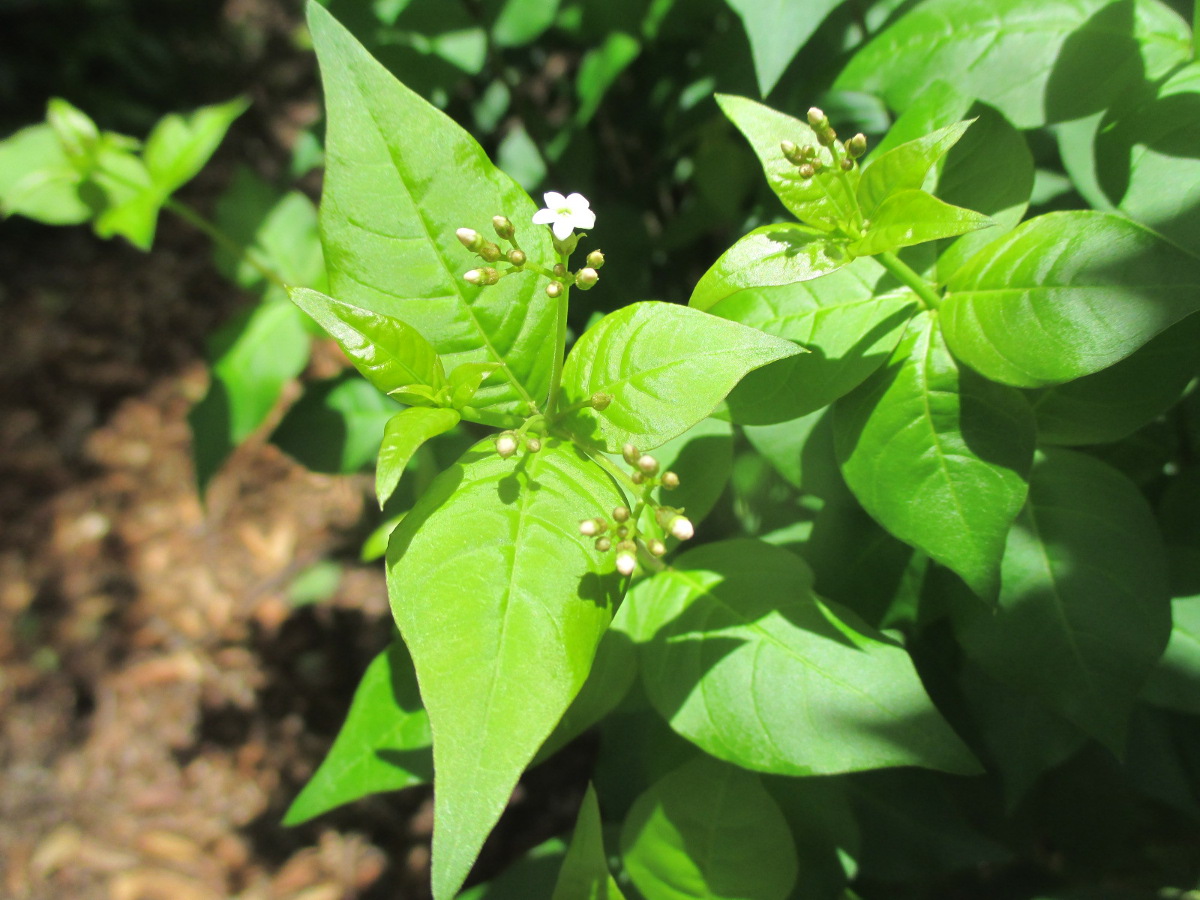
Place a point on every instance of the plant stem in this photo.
(560, 352)
(221, 239)
(611, 468)
(922, 288)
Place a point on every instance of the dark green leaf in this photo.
(533, 875)
(743, 659)
(938, 455)
(777, 31)
(599, 69)
(1175, 682)
(666, 368)
(1065, 295)
(336, 426)
(906, 218)
(585, 874)
(502, 604)
(383, 745)
(404, 433)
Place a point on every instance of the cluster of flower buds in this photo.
(509, 442)
(807, 158)
(490, 252)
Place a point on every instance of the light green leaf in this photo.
(180, 145)
(389, 353)
(404, 433)
(418, 395)
(849, 320)
(131, 201)
(1084, 612)
(336, 426)
(1036, 61)
(743, 659)
(38, 181)
(823, 201)
(502, 604)
(383, 745)
(906, 218)
(1175, 681)
(938, 455)
(708, 830)
(1065, 295)
(521, 21)
(585, 874)
(533, 875)
(465, 381)
(786, 253)
(400, 179)
(598, 70)
(666, 368)
(777, 31)
(702, 457)
(904, 167)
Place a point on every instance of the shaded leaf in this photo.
(585, 874)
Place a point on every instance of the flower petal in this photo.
(577, 202)
(554, 200)
(563, 228)
(584, 218)
(544, 216)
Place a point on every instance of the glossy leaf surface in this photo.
(403, 435)
(907, 217)
(904, 167)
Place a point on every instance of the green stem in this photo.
(221, 239)
(560, 352)
(611, 468)
(1195, 26)
(906, 275)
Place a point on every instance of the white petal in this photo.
(544, 216)
(577, 202)
(584, 218)
(563, 228)
(554, 200)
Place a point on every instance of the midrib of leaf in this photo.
(922, 376)
(470, 311)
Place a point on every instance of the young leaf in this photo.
(848, 320)
(823, 201)
(665, 366)
(1084, 612)
(38, 181)
(404, 434)
(906, 218)
(383, 745)
(743, 659)
(501, 603)
(904, 168)
(389, 353)
(1065, 295)
(401, 178)
(585, 874)
(786, 253)
(777, 33)
(708, 830)
(938, 455)
(465, 381)
(180, 145)
(1072, 56)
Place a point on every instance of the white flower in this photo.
(681, 527)
(626, 563)
(565, 214)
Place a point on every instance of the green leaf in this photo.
(585, 874)
(131, 201)
(336, 426)
(743, 659)
(389, 353)
(599, 69)
(1084, 612)
(1175, 682)
(824, 201)
(786, 253)
(465, 381)
(502, 604)
(403, 435)
(533, 875)
(666, 368)
(802, 451)
(1115, 402)
(180, 145)
(400, 179)
(520, 22)
(38, 181)
(1065, 295)
(1036, 61)
(253, 357)
(708, 830)
(850, 320)
(903, 168)
(702, 457)
(937, 455)
(777, 31)
(906, 218)
(383, 745)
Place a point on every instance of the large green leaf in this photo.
(771, 255)
(585, 874)
(665, 366)
(904, 167)
(743, 659)
(389, 353)
(1037, 61)
(1084, 612)
(823, 201)
(400, 179)
(906, 218)
(777, 30)
(501, 603)
(180, 145)
(383, 745)
(403, 435)
(708, 830)
(1065, 295)
(938, 455)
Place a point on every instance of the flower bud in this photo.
(817, 165)
(682, 528)
(589, 528)
(483, 276)
(637, 478)
(670, 480)
(656, 547)
(620, 513)
(808, 151)
(517, 257)
(817, 119)
(630, 453)
(506, 445)
(504, 227)
(559, 270)
(622, 532)
(626, 563)
(826, 136)
(647, 463)
(857, 145)
(628, 545)
(595, 259)
(554, 290)
(533, 445)
(790, 152)
(469, 238)
(601, 400)
(603, 544)
(586, 278)
(807, 171)
(847, 164)
(489, 251)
